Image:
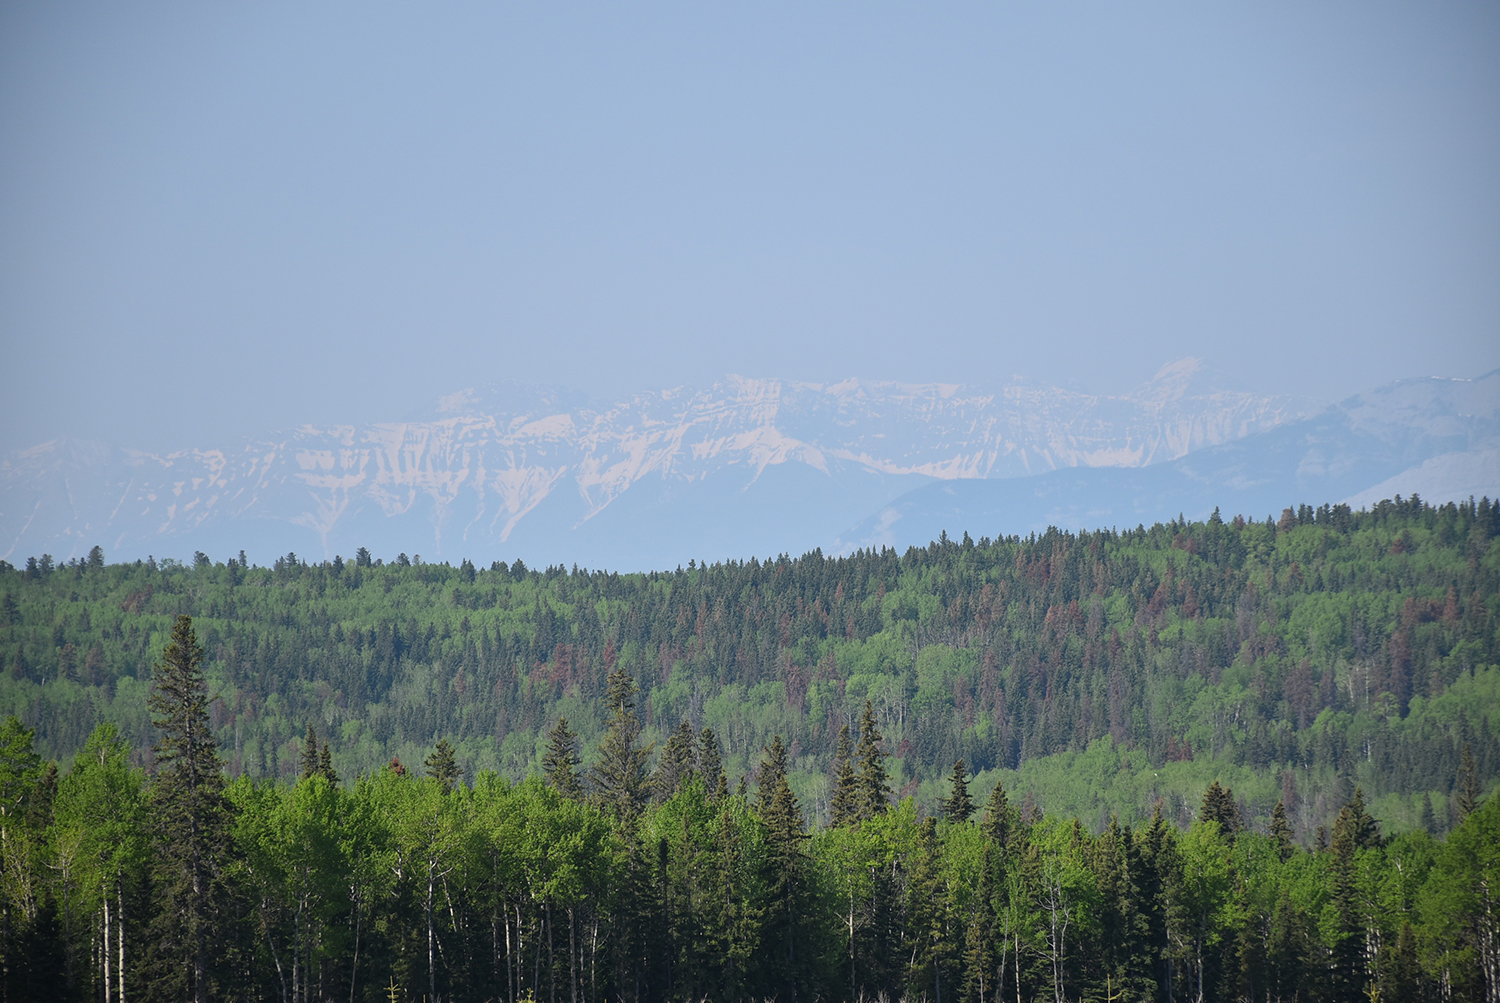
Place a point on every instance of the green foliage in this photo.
(1175, 710)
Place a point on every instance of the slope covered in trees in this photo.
(667, 886)
(1295, 658)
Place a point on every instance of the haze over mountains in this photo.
(750, 466)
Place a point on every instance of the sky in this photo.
(217, 219)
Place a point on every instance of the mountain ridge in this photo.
(490, 458)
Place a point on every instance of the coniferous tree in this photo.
(772, 772)
(958, 806)
(560, 764)
(996, 823)
(1466, 794)
(874, 784)
(844, 806)
(1427, 819)
(310, 753)
(979, 935)
(679, 761)
(1366, 830)
(325, 766)
(1281, 831)
(711, 765)
(442, 765)
(1219, 806)
(786, 882)
(1348, 970)
(620, 781)
(193, 820)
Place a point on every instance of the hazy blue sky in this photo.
(219, 217)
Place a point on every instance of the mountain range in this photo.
(750, 466)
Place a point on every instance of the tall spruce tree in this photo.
(325, 765)
(996, 823)
(787, 884)
(772, 772)
(844, 806)
(1219, 806)
(874, 783)
(711, 765)
(310, 753)
(1347, 972)
(1281, 831)
(678, 763)
(620, 782)
(442, 765)
(193, 821)
(958, 806)
(1466, 793)
(560, 763)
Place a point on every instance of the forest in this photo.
(1228, 759)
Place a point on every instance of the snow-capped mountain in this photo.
(744, 466)
(1436, 438)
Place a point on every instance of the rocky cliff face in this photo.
(511, 468)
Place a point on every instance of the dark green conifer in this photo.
(620, 781)
(442, 765)
(1281, 831)
(325, 765)
(560, 762)
(1366, 830)
(786, 881)
(996, 824)
(1219, 806)
(1428, 820)
(679, 761)
(958, 806)
(874, 784)
(772, 771)
(711, 765)
(844, 806)
(1348, 970)
(310, 753)
(193, 819)
(979, 937)
(1466, 794)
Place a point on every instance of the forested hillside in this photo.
(1212, 761)
(1293, 658)
(624, 885)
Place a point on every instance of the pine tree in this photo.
(192, 817)
(679, 761)
(996, 824)
(310, 753)
(874, 784)
(772, 772)
(979, 937)
(1366, 829)
(1466, 797)
(711, 765)
(1219, 806)
(958, 806)
(560, 763)
(786, 881)
(927, 940)
(1281, 831)
(325, 766)
(843, 807)
(620, 781)
(1428, 820)
(1348, 970)
(442, 765)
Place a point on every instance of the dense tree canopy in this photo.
(1228, 759)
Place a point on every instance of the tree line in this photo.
(1299, 656)
(651, 876)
